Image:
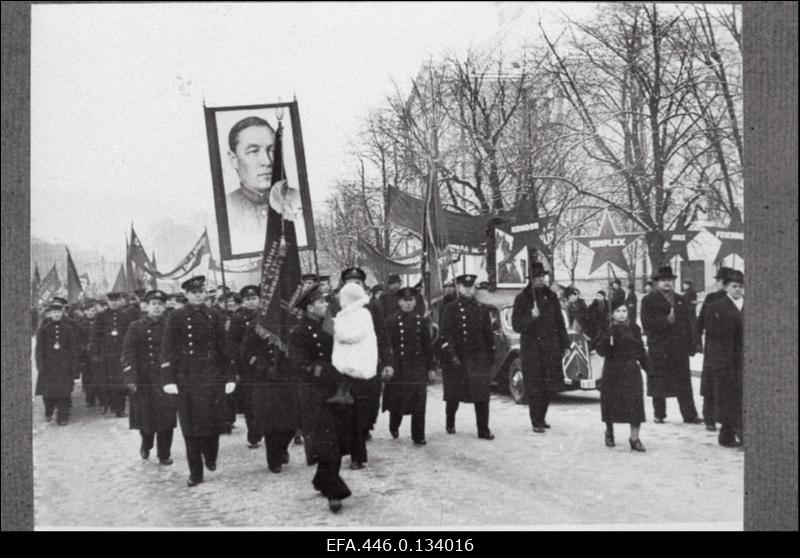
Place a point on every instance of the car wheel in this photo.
(516, 384)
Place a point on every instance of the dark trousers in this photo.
(328, 481)
(199, 448)
(358, 446)
(163, 440)
(277, 446)
(417, 424)
(116, 399)
(58, 404)
(685, 401)
(254, 432)
(481, 415)
(709, 408)
(88, 382)
(539, 396)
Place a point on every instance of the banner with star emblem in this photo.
(731, 239)
(679, 239)
(608, 245)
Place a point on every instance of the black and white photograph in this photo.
(498, 281)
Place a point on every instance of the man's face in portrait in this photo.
(252, 157)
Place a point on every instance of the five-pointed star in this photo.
(607, 245)
(679, 238)
(731, 238)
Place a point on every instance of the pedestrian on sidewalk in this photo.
(328, 428)
(56, 354)
(621, 391)
(667, 319)
(196, 367)
(152, 412)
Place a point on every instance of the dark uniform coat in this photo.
(151, 409)
(108, 334)
(274, 384)
(327, 429)
(706, 380)
(412, 352)
(86, 366)
(467, 334)
(57, 347)
(621, 391)
(724, 359)
(669, 346)
(543, 340)
(241, 322)
(194, 355)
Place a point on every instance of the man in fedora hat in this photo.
(196, 368)
(667, 319)
(724, 357)
(543, 343)
(56, 356)
(706, 383)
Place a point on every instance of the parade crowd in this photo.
(201, 358)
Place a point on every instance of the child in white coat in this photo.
(355, 345)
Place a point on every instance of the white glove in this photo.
(229, 387)
(171, 389)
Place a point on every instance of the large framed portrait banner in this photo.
(241, 149)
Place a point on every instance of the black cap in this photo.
(309, 296)
(197, 282)
(468, 280)
(155, 294)
(140, 293)
(237, 298)
(722, 273)
(115, 295)
(56, 303)
(376, 289)
(734, 276)
(616, 303)
(250, 290)
(89, 302)
(569, 291)
(353, 273)
(664, 272)
(394, 278)
(538, 270)
(407, 293)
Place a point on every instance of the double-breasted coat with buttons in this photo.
(543, 340)
(724, 358)
(669, 346)
(275, 396)
(466, 333)
(151, 409)
(327, 428)
(108, 334)
(412, 350)
(57, 347)
(194, 355)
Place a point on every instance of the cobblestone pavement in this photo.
(88, 474)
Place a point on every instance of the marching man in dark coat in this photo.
(706, 380)
(243, 321)
(725, 359)
(468, 340)
(57, 347)
(543, 343)
(405, 391)
(152, 411)
(109, 332)
(327, 428)
(273, 395)
(196, 367)
(85, 362)
(621, 398)
(667, 322)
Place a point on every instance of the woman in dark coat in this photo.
(57, 347)
(276, 411)
(622, 391)
(153, 413)
(327, 428)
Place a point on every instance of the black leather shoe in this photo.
(695, 420)
(659, 421)
(546, 425)
(636, 445)
(734, 443)
(167, 461)
(211, 465)
(486, 435)
(144, 452)
(193, 482)
(451, 429)
(275, 468)
(538, 428)
(253, 445)
(610, 439)
(62, 422)
(395, 434)
(356, 465)
(421, 442)
(285, 458)
(335, 505)
(711, 427)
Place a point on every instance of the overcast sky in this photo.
(117, 127)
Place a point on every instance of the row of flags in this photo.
(44, 289)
